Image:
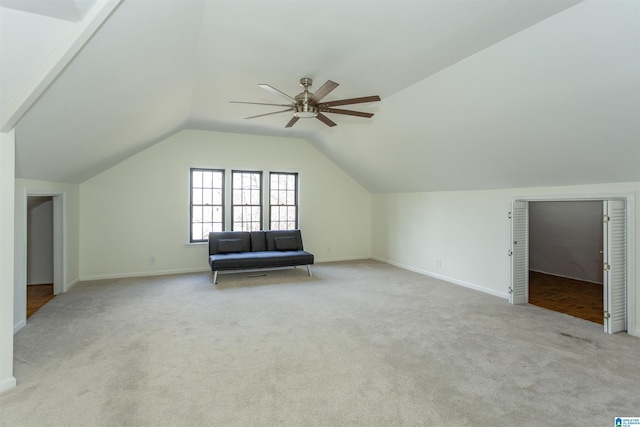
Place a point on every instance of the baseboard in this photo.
(565, 277)
(322, 260)
(7, 384)
(504, 295)
(21, 324)
(144, 274)
(71, 284)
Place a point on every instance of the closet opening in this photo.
(566, 257)
(566, 253)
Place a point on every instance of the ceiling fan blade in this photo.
(324, 90)
(277, 92)
(326, 120)
(347, 112)
(293, 121)
(268, 114)
(259, 103)
(349, 101)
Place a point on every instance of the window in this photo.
(283, 201)
(247, 200)
(207, 203)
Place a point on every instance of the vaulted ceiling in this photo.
(476, 94)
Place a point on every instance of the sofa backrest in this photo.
(258, 241)
(244, 241)
(229, 241)
(283, 240)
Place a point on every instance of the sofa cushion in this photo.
(216, 236)
(271, 236)
(229, 245)
(286, 243)
(249, 260)
(258, 241)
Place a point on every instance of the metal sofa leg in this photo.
(309, 270)
(215, 277)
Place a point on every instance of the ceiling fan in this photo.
(307, 104)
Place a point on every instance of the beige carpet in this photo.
(359, 343)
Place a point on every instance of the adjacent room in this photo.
(464, 177)
(566, 257)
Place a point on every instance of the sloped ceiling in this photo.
(475, 94)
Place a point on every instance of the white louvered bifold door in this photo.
(519, 290)
(615, 266)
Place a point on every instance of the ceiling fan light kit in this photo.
(307, 104)
(306, 111)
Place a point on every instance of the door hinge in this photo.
(510, 216)
(510, 290)
(606, 218)
(607, 315)
(607, 267)
(510, 252)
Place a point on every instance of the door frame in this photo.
(59, 251)
(629, 199)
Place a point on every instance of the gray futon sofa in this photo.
(244, 250)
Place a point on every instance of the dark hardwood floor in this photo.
(38, 296)
(569, 296)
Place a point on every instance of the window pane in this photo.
(207, 214)
(207, 197)
(196, 231)
(217, 214)
(207, 178)
(255, 214)
(217, 180)
(196, 179)
(197, 196)
(237, 180)
(196, 214)
(217, 197)
(255, 197)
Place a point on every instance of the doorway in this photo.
(565, 257)
(613, 262)
(58, 199)
(40, 247)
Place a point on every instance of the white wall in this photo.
(7, 173)
(39, 241)
(565, 239)
(139, 208)
(68, 194)
(464, 236)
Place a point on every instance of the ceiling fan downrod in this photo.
(304, 108)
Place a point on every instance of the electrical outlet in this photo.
(152, 260)
(439, 263)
